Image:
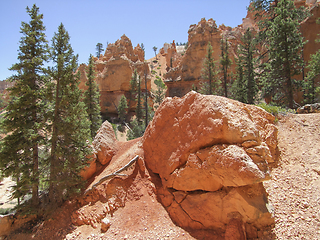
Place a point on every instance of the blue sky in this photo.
(91, 21)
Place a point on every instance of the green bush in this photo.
(275, 110)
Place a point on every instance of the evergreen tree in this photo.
(24, 118)
(122, 108)
(142, 113)
(92, 100)
(70, 124)
(239, 85)
(144, 52)
(133, 87)
(265, 5)
(99, 48)
(139, 113)
(285, 55)
(160, 92)
(155, 50)
(137, 129)
(146, 106)
(311, 85)
(209, 73)
(247, 50)
(225, 64)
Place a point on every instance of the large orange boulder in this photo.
(211, 154)
(192, 129)
(105, 143)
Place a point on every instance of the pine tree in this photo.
(143, 49)
(122, 108)
(311, 86)
(24, 118)
(247, 50)
(142, 113)
(137, 130)
(265, 5)
(225, 63)
(92, 100)
(209, 73)
(160, 92)
(133, 87)
(239, 85)
(139, 113)
(146, 106)
(70, 124)
(99, 48)
(155, 51)
(285, 56)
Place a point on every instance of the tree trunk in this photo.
(54, 139)
(35, 149)
(146, 100)
(225, 81)
(35, 177)
(290, 92)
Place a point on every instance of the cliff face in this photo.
(310, 30)
(187, 71)
(114, 70)
(180, 78)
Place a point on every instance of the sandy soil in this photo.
(295, 185)
(293, 192)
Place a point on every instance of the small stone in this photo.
(105, 224)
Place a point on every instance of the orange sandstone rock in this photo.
(104, 143)
(211, 154)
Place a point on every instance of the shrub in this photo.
(275, 110)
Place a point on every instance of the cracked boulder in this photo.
(212, 154)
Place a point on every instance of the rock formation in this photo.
(187, 72)
(309, 108)
(172, 57)
(104, 148)
(211, 154)
(180, 79)
(114, 70)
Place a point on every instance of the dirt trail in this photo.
(295, 185)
